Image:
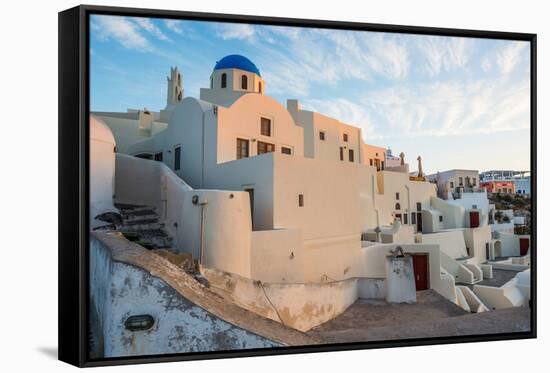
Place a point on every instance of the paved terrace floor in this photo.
(500, 277)
(431, 316)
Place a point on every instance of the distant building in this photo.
(451, 184)
(506, 181)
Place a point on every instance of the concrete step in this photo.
(129, 219)
(154, 238)
(127, 207)
(143, 224)
(142, 211)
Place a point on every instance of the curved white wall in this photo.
(102, 169)
(226, 229)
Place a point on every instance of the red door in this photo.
(523, 246)
(474, 219)
(420, 267)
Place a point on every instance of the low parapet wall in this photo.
(301, 306)
(127, 280)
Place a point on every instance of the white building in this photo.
(315, 189)
(520, 179)
(450, 184)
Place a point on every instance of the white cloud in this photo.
(240, 31)
(147, 25)
(444, 54)
(450, 108)
(174, 25)
(509, 56)
(486, 64)
(322, 57)
(122, 30)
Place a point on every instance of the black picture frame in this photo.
(74, 189)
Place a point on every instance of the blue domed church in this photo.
(232, 76)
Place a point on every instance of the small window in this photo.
(418, 206)
(460, 181)
(224, 80)
(452, 184)
(474, 207)
(345, 137)
(441, 218)
(301, 200)
(406, 219)
(177, 158)
(260, 87)
(397, 206)
(473, 181)
(144, 156)
(286, 150)
(371, 162)
(158, 157)
(244, 82)
(397, 196)
(265, 126)
(265, 147)
(350, 155)
(321, 136)
(341, 153)
(413, 218)
(242, 148)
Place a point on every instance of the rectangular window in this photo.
(441, 218)
(345, 137)
(301, 200)
(265, 147)
(371, 162)
(413, 218)
(452, 185)
(265, 125)
(177, 158)
(397, 196)
(321, 136)
(351, 155)
(341, 153)
(286, 150)
(242, 148)
(460, 181)
(473, 181)
(158, 157)
(418, 206)
(405, 219)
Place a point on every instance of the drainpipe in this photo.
(408, 204)
(202, 204)
(202, 153)
(376, 211)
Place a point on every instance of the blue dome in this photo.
(236, 61)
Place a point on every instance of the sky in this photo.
(457, 102)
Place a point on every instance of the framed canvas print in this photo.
(236, 185)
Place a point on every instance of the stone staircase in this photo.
(139, 224)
